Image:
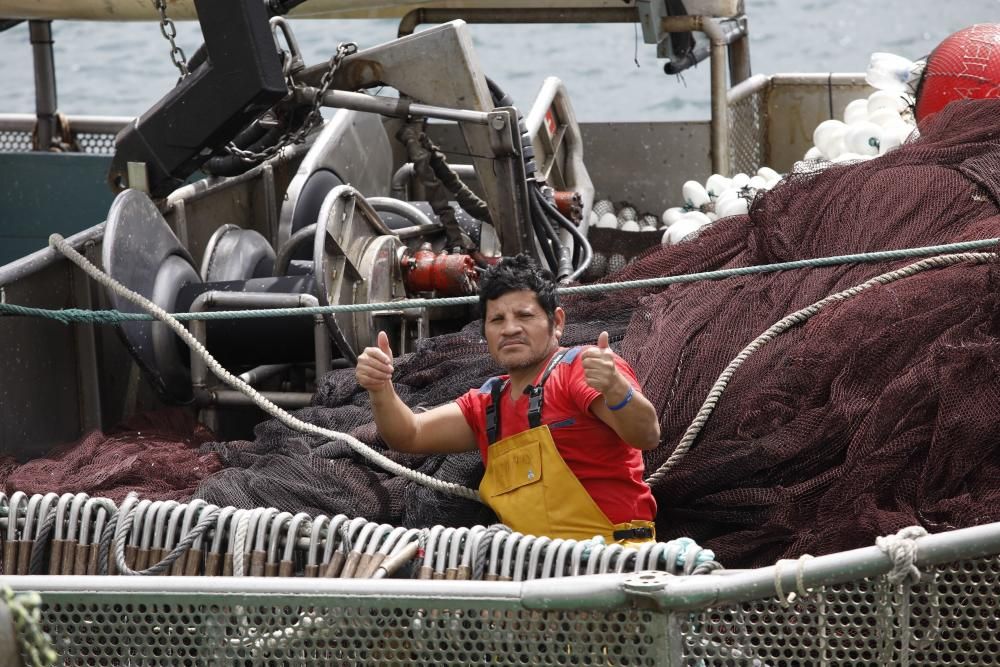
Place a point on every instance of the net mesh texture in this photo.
(876, 414)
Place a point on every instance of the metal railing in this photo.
(839, 609)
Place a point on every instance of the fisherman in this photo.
(561, 435)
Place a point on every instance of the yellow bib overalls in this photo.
(531, 489)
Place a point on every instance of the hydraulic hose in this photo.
(581, 241)
(541, 211)
(544, 232)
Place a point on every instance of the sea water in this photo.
(123, 68)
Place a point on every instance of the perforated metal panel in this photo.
(121, 629)
(952, 617)
(96, 143)
(14, 141)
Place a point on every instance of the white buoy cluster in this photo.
(719, 197)
(871, 127)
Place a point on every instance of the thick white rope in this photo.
(240, 543)
(60, 244)
(901, 549)
(786, 323)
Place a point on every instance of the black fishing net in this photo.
(291, 471)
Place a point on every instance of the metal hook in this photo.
(263, 521)
(508, 555)
(493, 567)
(86, 545)
(274, 540)
(207, 510)
(427, 568)
(315, 534)
(454, 558)
(43, 511)
(12, 514)
(627, 555)
(29, 517)
(294, 527)
(354, 557)
(653, 559)
(593, 560)
(550, 557)
(578, 555)
(522, 554)
(539, 546)
(148, 521)
(157, 550)
(225, 514)
(336, 524)
(294, 61)
(441, 552)
(643, 556)
(136, 533)
(610, 551)
(364, 569)
(471, 549)
(565, 549)
(61, 506)
(170, 539)
(194, 508)
(95, 548)
(120, 533)
(394, 536)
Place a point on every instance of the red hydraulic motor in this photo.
(441, 273)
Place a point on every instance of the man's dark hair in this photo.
(513, 274)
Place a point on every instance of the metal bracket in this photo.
(646, 583)
(512, 222)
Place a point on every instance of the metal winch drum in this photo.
(356, 258)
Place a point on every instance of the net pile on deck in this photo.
(874, 415)
(154, 454)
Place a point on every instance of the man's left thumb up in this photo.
(602, 341)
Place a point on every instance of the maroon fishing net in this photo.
(879, 413)
(154, 454)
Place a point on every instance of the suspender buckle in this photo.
(641, 533)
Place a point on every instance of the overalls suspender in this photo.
(535, 400)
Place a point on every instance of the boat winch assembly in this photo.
(356, 259)
(519, 162)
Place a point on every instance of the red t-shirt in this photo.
(609, 469)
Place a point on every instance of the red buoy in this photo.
(966, 65)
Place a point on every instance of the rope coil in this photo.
(36, 646)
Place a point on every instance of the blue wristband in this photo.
(624, 402)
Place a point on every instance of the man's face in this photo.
(518, 332)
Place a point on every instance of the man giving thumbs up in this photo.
(560, 434)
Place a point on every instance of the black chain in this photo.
(314, 118)
(169, 32)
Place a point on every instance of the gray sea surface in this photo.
(123, 68)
